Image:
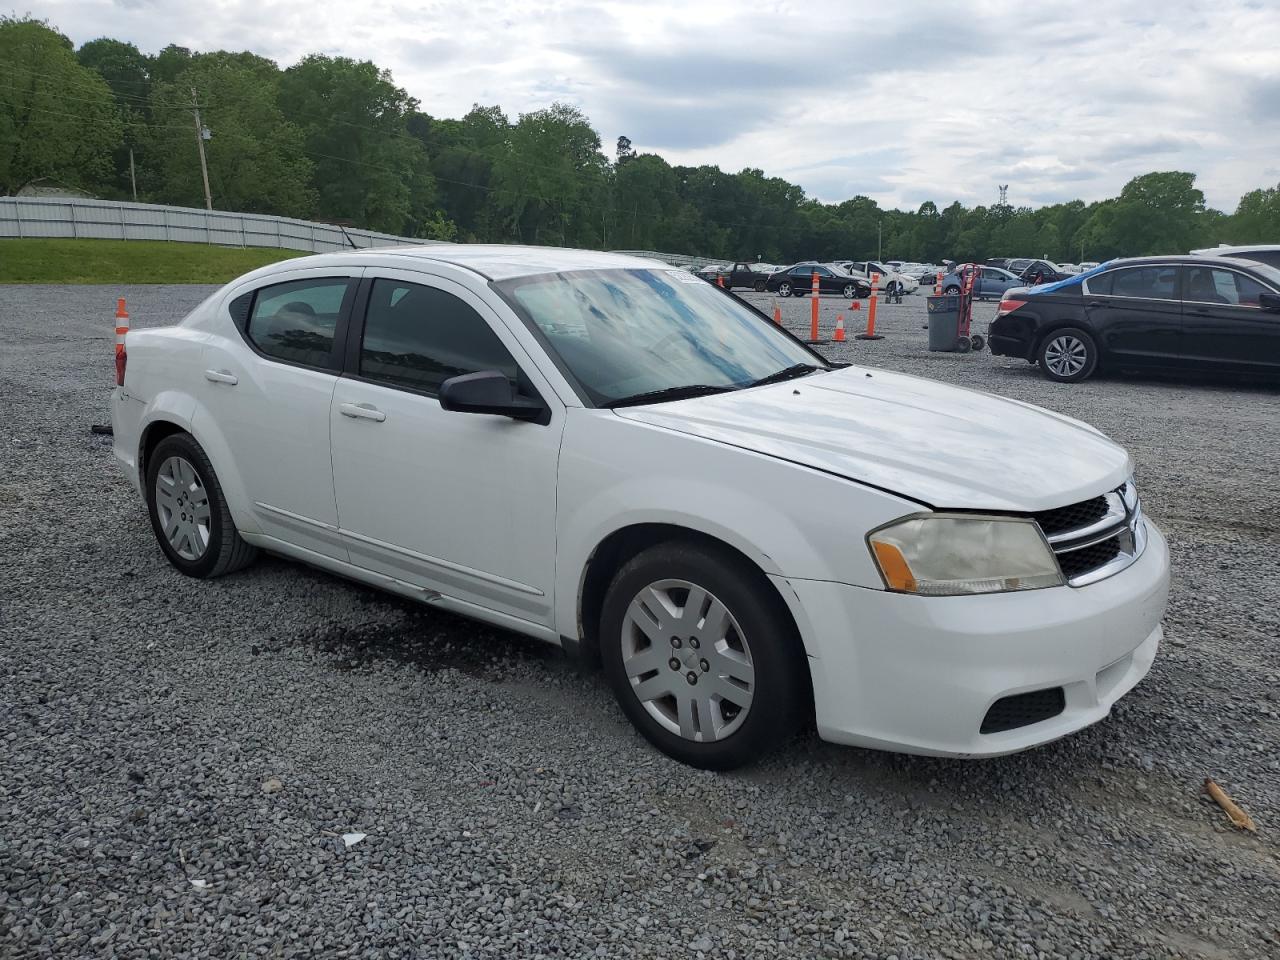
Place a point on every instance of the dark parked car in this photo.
(1037, 271)
(1208, 314)
(741, 275)
(798, 280)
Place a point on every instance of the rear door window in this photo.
(1156, 282)
(295, 321)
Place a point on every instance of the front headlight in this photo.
(941, 555)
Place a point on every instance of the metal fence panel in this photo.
(115, 220)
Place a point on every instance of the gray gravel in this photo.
(508, 808)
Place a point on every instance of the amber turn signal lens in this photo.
(897, 575)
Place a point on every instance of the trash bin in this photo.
(944, 323)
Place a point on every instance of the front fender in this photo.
(791, 521)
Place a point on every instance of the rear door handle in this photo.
(361, 411)
(221, 376)
(1094, 303)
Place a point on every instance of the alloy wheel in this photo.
(687, 660)
(182, 505)
(1066, 355)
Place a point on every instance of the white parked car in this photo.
(889, 278)
(1268, 253)
(603, 452)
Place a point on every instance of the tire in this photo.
(1068, 355)
(951, 290)
(180, 480)
(757, 647)
(759, 286)
(784, 289)
(963, 345)
(850, 291)
(977, 342)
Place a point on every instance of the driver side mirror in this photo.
(489, 391)
(1269, 301)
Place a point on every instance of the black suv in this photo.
(1209, 314)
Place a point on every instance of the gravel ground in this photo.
(180, 760)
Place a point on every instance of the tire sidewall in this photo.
(784, 289)
(850, 291)
(776, 652)
(1091, 363)
(185, 446)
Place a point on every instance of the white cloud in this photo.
(904, 102)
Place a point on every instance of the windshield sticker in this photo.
(683, 276)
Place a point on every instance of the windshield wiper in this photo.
(786, 373)
(669, 393)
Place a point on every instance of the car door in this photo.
(1224, 326)
(460, 504)
(266, 392)
(1136, 313)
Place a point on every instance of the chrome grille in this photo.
(1096, 538)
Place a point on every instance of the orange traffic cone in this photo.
(838, 336)
(777, 313)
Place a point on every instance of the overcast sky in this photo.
(895, 100)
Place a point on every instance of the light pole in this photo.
(879, 241)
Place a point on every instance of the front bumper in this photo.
(918, 674)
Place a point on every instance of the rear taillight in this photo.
(1008, 306)
(122, 358)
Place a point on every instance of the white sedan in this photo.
(605, 453)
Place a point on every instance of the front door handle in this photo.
(361, 411)
(221, 376)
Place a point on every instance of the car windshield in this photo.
(621, 334)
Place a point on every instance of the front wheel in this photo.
(188, 512)
(1068, 355)
(702, 656)
(784, 289)
(850, 291)
(759, 286)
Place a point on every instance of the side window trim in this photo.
(240, 319)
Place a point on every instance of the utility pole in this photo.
(879, 241)
(133, 179)
(200, 135)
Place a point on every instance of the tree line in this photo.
(334, 139)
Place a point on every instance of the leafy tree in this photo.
(1257, 218)
(550, 184)
(58, 120)
(127, 71)
(367, 168)
(255, 156)
(1158, 213)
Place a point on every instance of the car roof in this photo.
(1227, 250)
(1181, 258)
(494, 261)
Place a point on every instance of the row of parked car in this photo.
(850, 278)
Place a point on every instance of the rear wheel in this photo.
(759, 286)
(702, 656)
(784, 289)
(1068, 355)
(188, 512)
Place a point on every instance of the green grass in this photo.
(128, 261)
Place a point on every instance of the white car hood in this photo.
(945, 446)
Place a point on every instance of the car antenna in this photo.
(348, 236)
